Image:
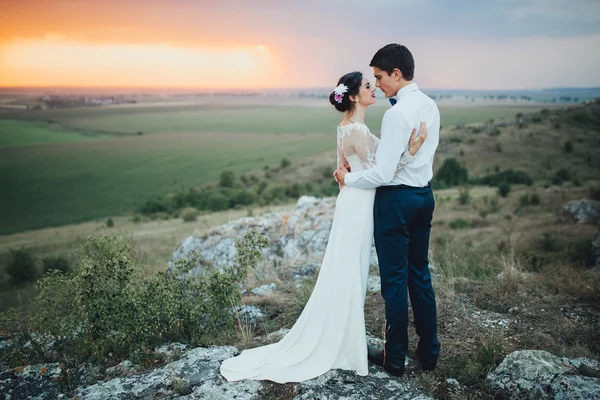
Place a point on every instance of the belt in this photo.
(392, 187)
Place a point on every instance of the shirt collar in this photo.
(411, 87)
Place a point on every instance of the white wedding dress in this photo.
(330, 332)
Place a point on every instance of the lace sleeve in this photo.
(404, 160)
(364, 145)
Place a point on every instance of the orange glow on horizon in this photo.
(54, 61)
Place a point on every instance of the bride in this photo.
(330, 332)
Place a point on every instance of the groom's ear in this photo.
(397, 74)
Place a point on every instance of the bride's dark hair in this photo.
(353, 81)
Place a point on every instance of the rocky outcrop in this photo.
(580, 212)
(537, 374)
(298, 237)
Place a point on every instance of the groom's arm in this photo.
(395, 133)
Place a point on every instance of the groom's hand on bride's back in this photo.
(339, 175)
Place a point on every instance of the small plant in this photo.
(459, 223)
(568, 147)
(110, 223)
(595, 193)
(504, 189)
(227, 179)
(22, 267)
(463, 196)
(488, 354)
(285, 163)
(499, 147)
(189, 214)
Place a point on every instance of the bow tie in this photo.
(393, 101)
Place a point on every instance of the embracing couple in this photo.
(385, 193)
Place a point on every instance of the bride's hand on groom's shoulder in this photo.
(417, 140)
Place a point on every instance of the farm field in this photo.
(61, 167)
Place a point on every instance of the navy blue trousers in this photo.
(402, 224)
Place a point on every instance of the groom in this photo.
(403, 211)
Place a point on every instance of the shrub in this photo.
(507, 176)
(459, 223)
(494, 132)
(503, 189)
(108, 309)
(488, 354)
(582, 252)
(568, 147)
(57, 263)
(189, 214)
(110, 223)
(452, 173)
(535, 200)
(227, 179)
(22, 267)
(563, 174)
(595, 193)
(285, 163)
(463, 196)
(499, 147)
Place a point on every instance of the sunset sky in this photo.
(466, 44)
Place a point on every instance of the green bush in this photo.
(110, 223)
(503, 189)
(464, 196)
(189, 214)
(459, 223)
(595, 193)
(452, 173)
(535, 200)
(582, 252)
(57, 263)
(568, 147)
(22, 267)
(562, 175)
(285, 163)
(108, 309)
(508, 176)
(227, 179)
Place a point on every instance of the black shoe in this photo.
(394, 369)
(427, 363)
(377, 357)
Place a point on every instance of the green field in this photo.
(30, 133)
(74, 178)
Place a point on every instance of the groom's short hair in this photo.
(393, 56)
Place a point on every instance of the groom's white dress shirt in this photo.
(412, 107)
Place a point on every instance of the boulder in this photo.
(538, 374)
(580, 212)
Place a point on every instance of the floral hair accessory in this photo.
(339, 92)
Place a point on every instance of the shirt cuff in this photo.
(349, 179)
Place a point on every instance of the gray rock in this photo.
(124, 368)
(31, 382)
(305, 271)
(339, 384)
(250, 315)
(265, 290)
(171, 351)
(374, 284)
(580, 212)
(298, 238)
(198, 369)
(538, 374)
